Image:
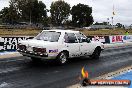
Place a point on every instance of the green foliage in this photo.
(60, 11)
(32, 10)
(9, 14)
(35, 11)
(67, 23)
(13, 14)
(24, 10)
(119, 25)
(81, 15)
(4, 14)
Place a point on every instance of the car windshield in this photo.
(51, 36)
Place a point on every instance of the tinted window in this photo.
(81, 37)
(70, 38)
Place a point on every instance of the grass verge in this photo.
(34, 32)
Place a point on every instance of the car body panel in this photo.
(54, 48)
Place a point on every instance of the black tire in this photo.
(36, 60)
(96, 53)
(62, 58)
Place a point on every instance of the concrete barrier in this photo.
(10, 43)
(114, 45)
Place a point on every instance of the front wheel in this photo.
(62, 58)
(96, 53)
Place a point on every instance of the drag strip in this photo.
(25, 74)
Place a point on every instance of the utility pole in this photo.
(107, 21)
(112, 18)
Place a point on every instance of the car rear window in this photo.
(51, 36)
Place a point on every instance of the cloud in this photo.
(122, 8)
(4, 3)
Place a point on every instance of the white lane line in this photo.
(114, 52)
(10, 55)
(5, 53)
(117, 45)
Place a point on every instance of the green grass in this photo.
(19, 32)
(106, 32)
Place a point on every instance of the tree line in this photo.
(35, 11)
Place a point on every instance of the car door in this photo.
(71, 43)
(85, 46)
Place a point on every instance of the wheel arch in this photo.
(98, 47)
(66, 51)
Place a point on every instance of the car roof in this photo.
(58, 30)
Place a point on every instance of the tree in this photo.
(13, 14)
(81, 15)
(42, 11)
(4, 14)
(60, 11)
(24, 10)
(67, 23)
(9, 14)
(32, 10)
(119, 25)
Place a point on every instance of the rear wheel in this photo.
(62, 58)
(96, 53)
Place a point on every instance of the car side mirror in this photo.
(88, 40)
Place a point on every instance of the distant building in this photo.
(100, 27)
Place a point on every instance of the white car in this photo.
(59, 45)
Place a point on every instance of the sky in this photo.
(102, 9)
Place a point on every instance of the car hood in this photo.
(37, 43)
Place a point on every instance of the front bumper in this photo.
(36, 55)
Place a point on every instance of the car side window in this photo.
(70, 38)
(81, 37)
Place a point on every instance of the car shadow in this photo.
(70, 62)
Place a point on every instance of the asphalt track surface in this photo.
(21, 72)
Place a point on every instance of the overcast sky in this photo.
(102, 9)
